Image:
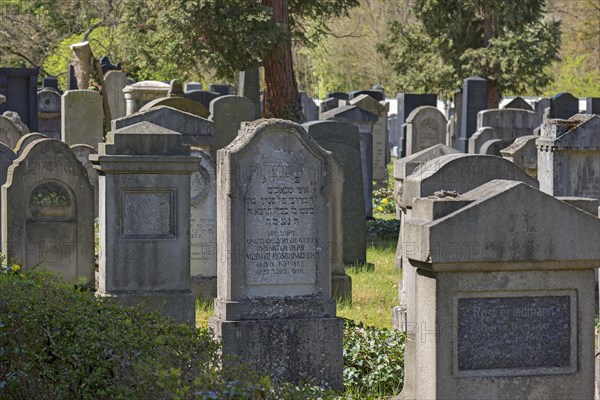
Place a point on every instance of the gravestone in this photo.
(364, 121)
(24, 141)
(7, 156)
(192, 86)
(377, 95)
(523, 152)
(505, 296)
(406, 103)
(82, 117)
(196, 131)
(72, 80)
(518, 103)
(569, 156)
(140, 93)
(227, 114)
(179, 103)
(50, 82)
(539, 107)
(16, 119)
(2, 99)
(49, 109)
(203, 227)
(454, 123)
(276, 202)
(328, 104)
(379, 133)
(9, 132)
(563, 106)
(223, 90)
(502, 125)
(338, 95)
(202, 97)
(425, 127)
(145, 219)
(394, 129)
(106, 65)
(114, 83)
(592, 105)
(309, 108)
(474, 99)
(343, 140)
(19, 86)
(82, 153)
(249, 87)
(47, 212)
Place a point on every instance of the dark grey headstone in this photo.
(338, 95)
(474, 99)
(520, 103)
(309, 108)
(202, 97)
(249, 87)
(592, 105)
(564, 106)
(50, 82)
(514, 332)
(223, 90)
(407, 102)
(106, 65)
(328, 104)
(19, 86)
(373, 93)
(72, 79)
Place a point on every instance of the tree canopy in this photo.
(506, 42)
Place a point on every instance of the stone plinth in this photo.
(140, 93)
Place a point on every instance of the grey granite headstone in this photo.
(426, 127)
(406, 103)
(114, 83)
(338, 95)
(48, 213)
(139, 93)
(227, 114)
(7, 156)
(24, 141)
(192, 86)
(523, 152)
(309, 108)
(50, 82)
(82, 118)
(223, 90)
(202, 97)
(249, 87)
(503, 126)
(592, 105)
(276, 202)
(49, 111)
(83, 152)
(19, 86)
(563, 106)
(520, 103)
(376, 94)
(474, 99)
(145, 219)
(328, 104)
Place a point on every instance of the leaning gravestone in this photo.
(82, 118)
(9, 132)
(203, 227)
(343, 140)
(24, 141)
(145, 219)
(274, 308)
(47, 212)
(228, 113)
(426, 127)
(49, 109)
(114, 83)
(505, 296)
(569, 156)
(83, 152)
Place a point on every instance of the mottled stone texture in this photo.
(277, 205)
(145, 218)
(82, 118)
(426, 127)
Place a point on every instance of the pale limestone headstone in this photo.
(145, 219)
(505, 296)
(569, 156)
(16, 119)
(82, 152)
(425, 127)
(276, 204)
(203, 227)
(24, 141)
(342, 139)
(523, 152)
(82, 118)
(114, 83)
(9, 132)
(140, 93)
(47, 212)
(503, 125)
(49, 109)
(519, 103)
(7, 156)
(228, 113)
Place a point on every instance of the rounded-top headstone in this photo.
(179, 103)
(26, 139)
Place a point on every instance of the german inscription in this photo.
(514, 332)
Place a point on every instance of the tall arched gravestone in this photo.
(49, 109)
(26, 139)
(276, 203)
(82, 118)
(115, 82)
(48, 213)
(425, 127)
(228, 113)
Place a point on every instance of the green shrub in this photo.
(383, 201)
(383, 229)
(58, 342)
(373, 360)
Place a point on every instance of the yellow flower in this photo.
(379, 208)
(15, 268)
(384, 201)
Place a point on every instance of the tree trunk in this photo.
(281, 90)
(84, 64)
(493, 93)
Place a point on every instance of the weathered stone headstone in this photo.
(406, 103)
(114, 83)
(223, 90)
(196, 131)
(592, 105)
(276, 202)
(309, 108)
(140, 93)
(505, 296)
(50, 82)
(49, 109)
(202, 97)
(377, 95)
(379, 133)
(179, 103)
(364, 121)
(249, 87)
(7, 156)
(228, 113)
(523, 152)
(203, 227)
(569, 156)
(338, 95)
(519, 103)
(474, 99)
(192, 86)
(563, 106)
(343, 140)
(82, 153)
(24, 141)
(327, 105)
(2, 99)
(9, 132)
(426, 127)
(16, 119)
(501, 125)
(82, 117)
(19, 86)
(47, 212)
(539, 107)
(145, 218)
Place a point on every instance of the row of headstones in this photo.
(498, 276)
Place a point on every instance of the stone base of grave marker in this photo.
(204, 287)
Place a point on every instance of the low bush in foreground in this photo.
(57, 342)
